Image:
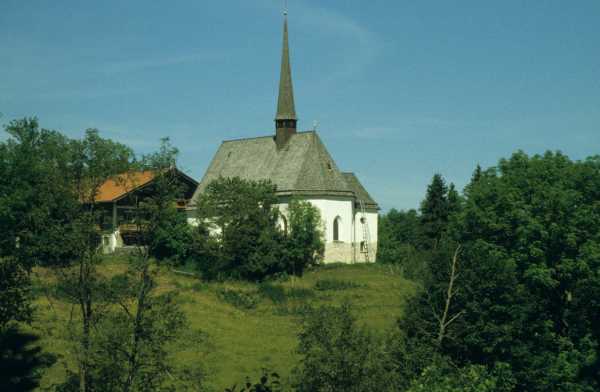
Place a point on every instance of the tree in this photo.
(477, 176)
(167, 234)
(37, 204)
(454, 201)
(22, 361)
(37, 199)
(432, 317)
(131, 350)
(239, 223)
(399, 241)
(129, 326)
(443, 377)
(95, 161)
(240, 236)
(15, 302)
(435, 211)
(338, 355)
(303, 245)
(529, 270)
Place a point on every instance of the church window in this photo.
(336, 228)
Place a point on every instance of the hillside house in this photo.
(119, 197)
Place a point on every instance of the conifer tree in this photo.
(454, 200)
(434, 211)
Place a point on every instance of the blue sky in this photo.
(400, 89)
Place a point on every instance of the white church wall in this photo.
(372, 220)
(350, 233)
(331, 208)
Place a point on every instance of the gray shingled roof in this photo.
(302, 167)
(359, 191)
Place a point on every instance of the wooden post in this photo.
(114, 217)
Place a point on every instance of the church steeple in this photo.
(285, 119)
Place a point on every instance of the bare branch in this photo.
(446, 319)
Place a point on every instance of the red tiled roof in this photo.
(116, 188)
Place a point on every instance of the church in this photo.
(299, 164)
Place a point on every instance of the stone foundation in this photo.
(345, 252)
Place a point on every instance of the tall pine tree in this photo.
(434, 211)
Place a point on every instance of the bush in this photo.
(275, 293)
(238, 233)
(280, 295)
(442, 377)
(338, 355)
(172, 238)
(199, 286)
(239, 299)
(239, 236)
(300, 293)
(335, 285)
(296, 310)
(269, 382)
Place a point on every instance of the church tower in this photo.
(285, 119)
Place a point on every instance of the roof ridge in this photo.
(263, 137)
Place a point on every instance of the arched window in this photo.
(336, 228)
(283, 223)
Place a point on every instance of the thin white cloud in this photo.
(406, 128)
(139, 64)
(85, 93)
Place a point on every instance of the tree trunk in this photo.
(137, 327)
(446, 319)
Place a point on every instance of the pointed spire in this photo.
(285, 119)
(285, 103)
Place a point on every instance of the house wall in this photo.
(372, 221)
(347, 248)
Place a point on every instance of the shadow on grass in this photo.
(22, 361)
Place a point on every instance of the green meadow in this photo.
(236, 329)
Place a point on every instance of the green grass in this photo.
(245, 327)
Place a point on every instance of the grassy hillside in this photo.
(238, 328)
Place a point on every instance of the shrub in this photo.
(269, 382)
(199, 286)
(172, 237)
(335, 284)
(275, 293)
(245, 242)
(442, 377)
(239, 299)
(239, 236)
(296, 310)
(301, 293)
(338, 355)
(279, 294)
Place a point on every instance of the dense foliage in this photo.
(509, 274)
(38, 200)
(242, 237)
(529, 276)
(399, 241)
(14, 293)
(339, 355)
(49, 217)
(165, 230)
